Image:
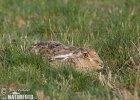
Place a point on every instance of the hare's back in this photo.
(51, 48)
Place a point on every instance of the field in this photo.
(111, 27)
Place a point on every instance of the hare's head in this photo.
(87, 59)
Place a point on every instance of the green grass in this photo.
(111, 27)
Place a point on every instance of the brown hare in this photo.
(83, 58)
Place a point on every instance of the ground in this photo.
(111, 27)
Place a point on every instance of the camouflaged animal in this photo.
(83, 58)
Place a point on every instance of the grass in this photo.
(112, 27)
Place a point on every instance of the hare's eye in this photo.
(85, 55)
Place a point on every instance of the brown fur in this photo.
(83, 58)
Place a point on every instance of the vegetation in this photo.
(111, 27)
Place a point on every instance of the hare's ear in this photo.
(81, 52)
(77, 51)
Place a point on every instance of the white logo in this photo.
(15, 95)
(18, 96)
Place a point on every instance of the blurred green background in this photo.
(111, 27)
